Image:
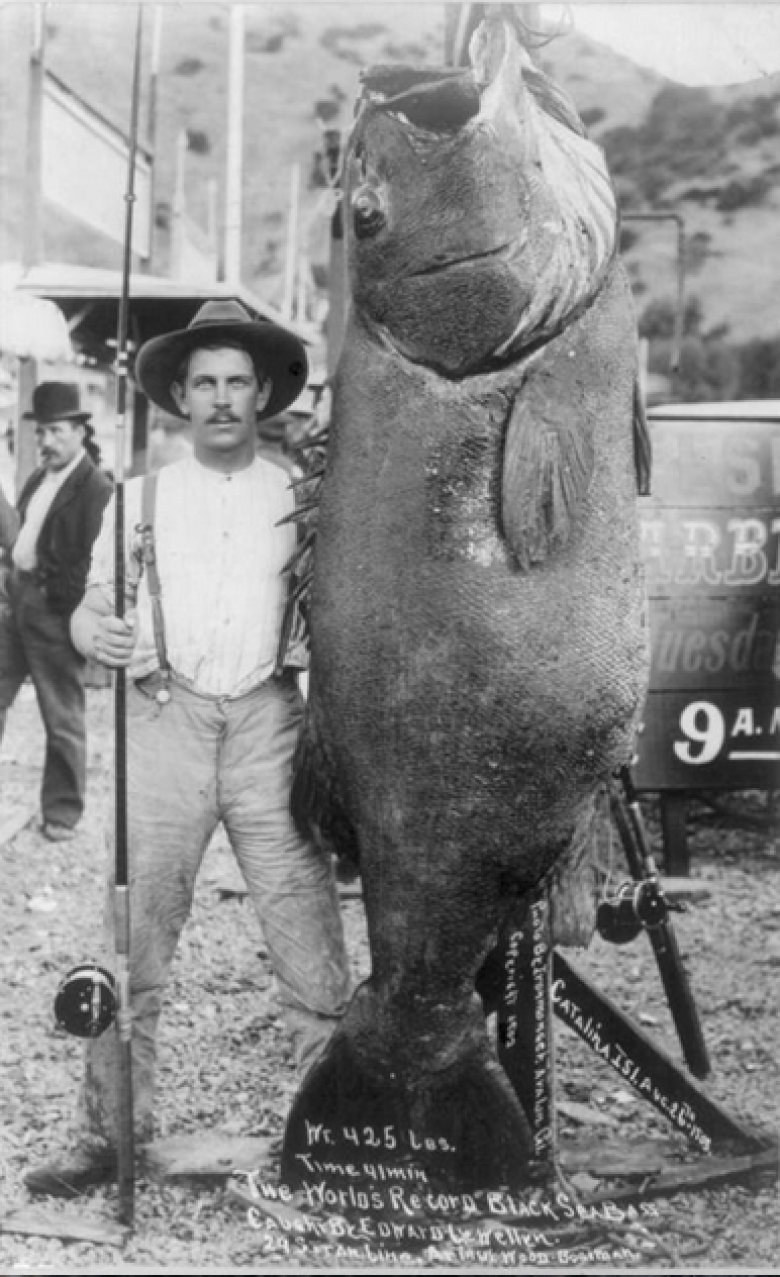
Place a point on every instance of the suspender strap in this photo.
(148, 500)
(149, 560)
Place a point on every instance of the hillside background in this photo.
(711, 155)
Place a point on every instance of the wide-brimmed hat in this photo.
(275, 350)
(57, 401)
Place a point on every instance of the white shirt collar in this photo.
(59, 476)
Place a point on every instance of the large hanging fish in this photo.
(479, 651)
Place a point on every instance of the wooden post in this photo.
(302, 288)
(26, 449)
(235, 135)
(337, 261)
(33, 221)
(148, 265)
(459, 22)
(32, 248)
(139, 416)
(213, 236)
(462, 20)
(677, 858)
(292, 242)
(179, 207)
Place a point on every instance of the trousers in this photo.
(35, 641)
(193, 762)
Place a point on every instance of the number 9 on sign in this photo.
(705, 728)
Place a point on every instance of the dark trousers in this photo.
(35, 641)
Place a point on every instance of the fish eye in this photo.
(367, 212)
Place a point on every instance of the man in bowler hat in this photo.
(213, 706)
(60, 508)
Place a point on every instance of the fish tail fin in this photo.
(461, 1126)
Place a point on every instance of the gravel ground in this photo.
(225, 1065)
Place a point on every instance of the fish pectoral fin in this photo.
(548, 465)
(643, 453)
(314, 802)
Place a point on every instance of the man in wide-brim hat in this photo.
(214, 710)
(60, 508)
(279, 356)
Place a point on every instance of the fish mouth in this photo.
(425, 99)
(467, 259)
(498, 137)
(438, 101)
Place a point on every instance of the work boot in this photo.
(55, 832)
(69, 1177)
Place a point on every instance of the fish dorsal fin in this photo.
(552, 99)
(547, 469)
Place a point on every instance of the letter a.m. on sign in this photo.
(711, 547)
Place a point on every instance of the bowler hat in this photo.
(57, 401)
(274, 350)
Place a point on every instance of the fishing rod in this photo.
(90, 999)
(125, 1141)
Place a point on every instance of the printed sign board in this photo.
(711, 542)
(76, 140)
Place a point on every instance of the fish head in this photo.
(480, 218)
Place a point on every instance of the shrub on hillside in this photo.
(697, 250)
(754, 119)
(409, 52)
(189, 66)
(742, 192)
(682, 135)
(259, 43)
(759, 365)
(700, 194)
(271, 38)
(592, 115)
(709, 370)
(340, 40)
(713, 368)
(198, 142)
(659, 317)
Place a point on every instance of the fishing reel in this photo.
(635, 907)
(85, 1004)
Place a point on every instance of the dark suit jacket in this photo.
(64, 546)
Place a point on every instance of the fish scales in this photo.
(479, 647)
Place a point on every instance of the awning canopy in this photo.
(33, 328)
(89, 299)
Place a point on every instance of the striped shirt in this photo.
(220, 559)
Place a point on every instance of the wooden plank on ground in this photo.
(16, 823)
(584, 1114)
(705, 1172)
(208, 1154)
(48, 1223)
(618, 1159)
(644, 1064)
